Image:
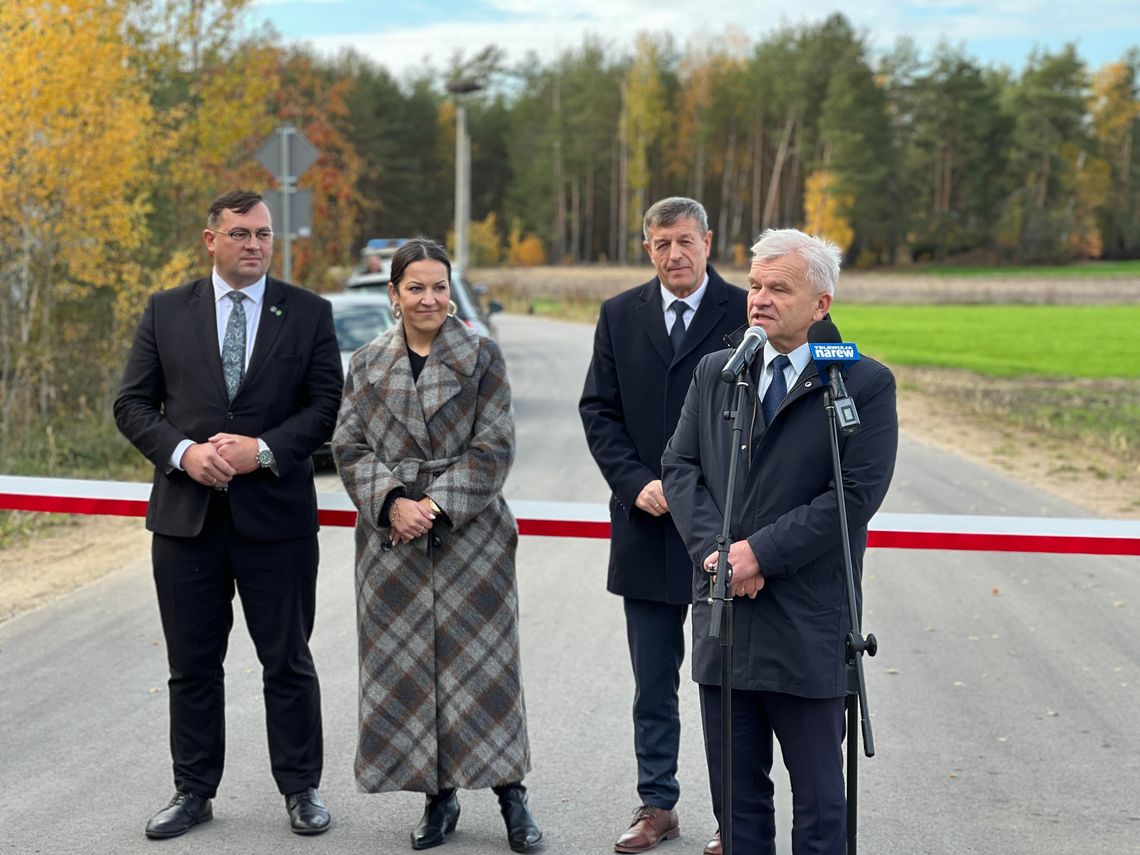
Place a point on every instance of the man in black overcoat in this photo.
(648, 341)
(791, 615)
(233, 381)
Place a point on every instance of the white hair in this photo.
(821, 256)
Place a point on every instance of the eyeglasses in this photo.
(243, 235)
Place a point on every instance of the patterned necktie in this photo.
(777, 389)
(677, 307)
(233, 345)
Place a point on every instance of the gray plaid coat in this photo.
(441, 701)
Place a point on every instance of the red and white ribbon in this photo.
(573, 519)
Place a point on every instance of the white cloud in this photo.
(551, 28)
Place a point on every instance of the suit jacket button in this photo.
(437, 541)
(229, 415)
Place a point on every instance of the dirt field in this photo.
(593, 283)
(67, 556)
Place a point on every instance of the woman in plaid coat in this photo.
(423, 443)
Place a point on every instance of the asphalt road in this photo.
(1006, 694)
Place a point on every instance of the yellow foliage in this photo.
(221, 92)
(642, 120)
(73, 177)
(525, 251)
(822, 206)
(483, 241)
(72, 122)
(1112, 104)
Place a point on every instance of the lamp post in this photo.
(461, 88)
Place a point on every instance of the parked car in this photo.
(469, 309)
(375, 262)
(467, 299)
(359, 318)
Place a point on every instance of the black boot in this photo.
(440, 815)
(523, 833)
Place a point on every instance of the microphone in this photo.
(754, 339)
(831, 355)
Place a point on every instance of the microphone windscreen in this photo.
(823, 331)
(757, 332)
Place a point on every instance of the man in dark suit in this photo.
(791, 615)
(232, 382)
(648, 341)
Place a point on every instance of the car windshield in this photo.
(357, 325)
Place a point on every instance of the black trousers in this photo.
(195, 578)
(656, 634)
(810, 731)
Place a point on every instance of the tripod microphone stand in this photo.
(841, 413)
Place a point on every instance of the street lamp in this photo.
(461, 88)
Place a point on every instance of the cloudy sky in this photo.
(404, 34)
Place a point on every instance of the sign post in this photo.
(288, 156)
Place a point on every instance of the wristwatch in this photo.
(264, 455)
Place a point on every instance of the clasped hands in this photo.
(216, 461)
(410, 519)
(746, 577)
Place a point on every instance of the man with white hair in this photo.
(791, 616)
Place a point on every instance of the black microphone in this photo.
(754, 339)
(830, 354)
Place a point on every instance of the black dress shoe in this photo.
(307, 813)
(440, 816)
(185, 810)
(523, 833)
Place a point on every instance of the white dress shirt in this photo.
(692, 303)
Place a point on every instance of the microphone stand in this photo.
(721, 622)
(856, 645)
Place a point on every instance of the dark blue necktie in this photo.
(677, 307)
(777, 389)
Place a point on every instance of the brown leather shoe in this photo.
(650, 826)
(713, 847)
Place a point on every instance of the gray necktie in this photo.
(233, 345)
(677, 307)
(777, 389)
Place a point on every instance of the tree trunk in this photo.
(623, 206)
(615, 206)
(575, 218)
(559, 226)
(794, 192)
(588, 253)
(757, 177)
(777, 168)
(727, 180)
(699, 171)
(737, 223)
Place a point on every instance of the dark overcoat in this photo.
(632, 399)
(441, 702)
(790, 638)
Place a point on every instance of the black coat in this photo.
(173, 389)
(790, 638)
(630, 404)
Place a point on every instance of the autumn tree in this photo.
(641, 124)
(1114, 106)
(211, 79)
(313, 98)
(73, 176)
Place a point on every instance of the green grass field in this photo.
(1095, 342)
(1080, 270)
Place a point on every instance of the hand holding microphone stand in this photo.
(720, 598)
